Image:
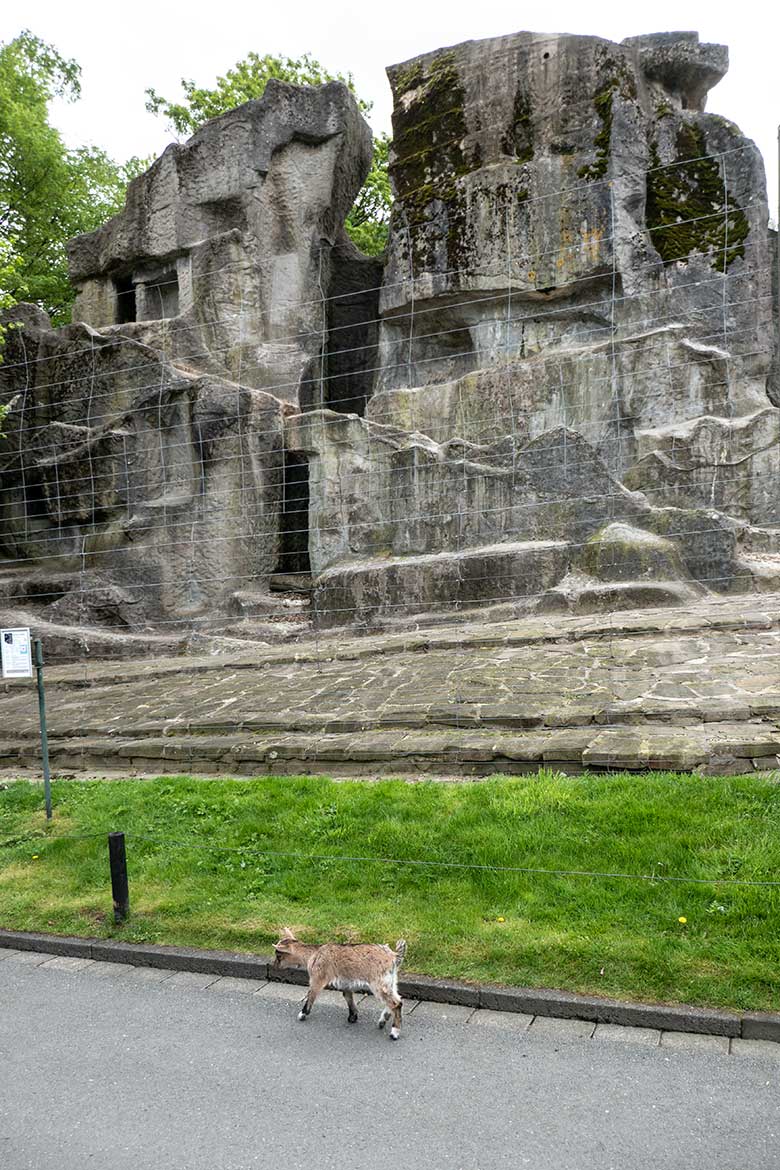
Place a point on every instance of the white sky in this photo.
(124, 48)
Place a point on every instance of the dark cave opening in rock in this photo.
(294, 527)
(125, 300)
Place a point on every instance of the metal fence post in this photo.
(44, 736)
(119, 888)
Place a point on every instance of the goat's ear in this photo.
(287, 933)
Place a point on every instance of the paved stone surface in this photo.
(694, 1042)
(508, 1021)
(549, 1028)
(756, 1049)
(149, 974)
(191, 980)
(287, 992)
(64, 963)
(650, 1037)
(124, 1074)
(30, 958)
(450, 1012)
(104, 970)
(242, 986)
(660, 688)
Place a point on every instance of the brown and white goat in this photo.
(348, 968)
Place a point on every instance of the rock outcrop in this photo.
(564, 201)
(579, 262)
(226, 252)
(143, 466)
(153, 484)
(558, 390)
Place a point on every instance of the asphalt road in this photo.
(103, 1067)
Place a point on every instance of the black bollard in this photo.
(119, 888)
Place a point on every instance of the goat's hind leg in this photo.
(352, 1016)
(395, 1030)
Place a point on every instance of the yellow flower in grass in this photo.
(682, 920)
(500, 919)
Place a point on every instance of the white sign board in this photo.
(17, 658)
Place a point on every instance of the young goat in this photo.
(347, 968)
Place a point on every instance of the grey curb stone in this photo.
(54, 944)
(528, 1001)
(760, 1026)
(612, 1011)
(286, 975)
(438, 990)
(182, 959)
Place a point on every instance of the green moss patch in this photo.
(689, 208)
(518, 142)
(617, 79)
(429, 152)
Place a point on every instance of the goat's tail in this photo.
(400, 951)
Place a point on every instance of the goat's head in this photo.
(286, 950)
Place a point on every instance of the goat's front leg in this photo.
(352, 1017)
(308, 1003)
(391, 1010)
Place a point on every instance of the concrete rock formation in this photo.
(579, 264)
(143, 467)
(558, 391)
(237, 236)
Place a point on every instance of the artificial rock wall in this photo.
(578, 254)
(558, 388)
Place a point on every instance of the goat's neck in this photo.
(304, 952)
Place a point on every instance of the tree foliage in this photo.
(245, 81)
(367, 222)
(48, 193)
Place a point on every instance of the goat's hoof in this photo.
(301, 1015)
(381, 1023)
(352, 1019)
(394, 1034)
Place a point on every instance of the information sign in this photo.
(17, 659)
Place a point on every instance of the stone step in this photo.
(290, 582)
(712, 749)
(274, 606)
(755, 540)
(765, 570)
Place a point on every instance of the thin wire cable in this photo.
(651, 264)
(543, 357)
(463, 865)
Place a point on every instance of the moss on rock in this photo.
(689, 207)
(518, 141)
(617, 80)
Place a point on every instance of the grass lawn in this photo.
(609, 936)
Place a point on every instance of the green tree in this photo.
(367, 222)
(8, 265)
(48, 193)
